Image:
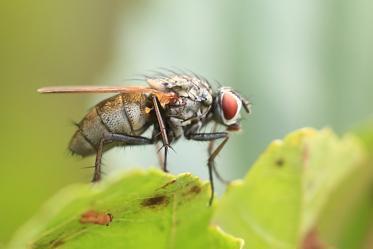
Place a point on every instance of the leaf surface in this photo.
(150, 209)
(278, 203)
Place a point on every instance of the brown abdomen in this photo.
(122, 114)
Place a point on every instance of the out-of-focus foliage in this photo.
(347, 220)
(279, 203)
(302, 63)
(149, 209)
(42, 43)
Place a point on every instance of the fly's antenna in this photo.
(247, 105)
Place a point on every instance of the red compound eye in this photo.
(229, 105)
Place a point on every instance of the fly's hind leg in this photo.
(112, 137)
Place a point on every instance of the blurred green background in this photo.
(302, 63)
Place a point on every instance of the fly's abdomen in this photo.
(121, 114)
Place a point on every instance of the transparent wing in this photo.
(97, 89)
(163, 97)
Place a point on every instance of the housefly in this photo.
(174, 105)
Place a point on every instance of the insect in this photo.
(174, 105)
(94, 217)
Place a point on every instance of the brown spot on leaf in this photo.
(155, 201)
(312, 241)
(195, 189)
(280, 162)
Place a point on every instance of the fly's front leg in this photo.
(112, 137)
(210, 150)
(163, 131)
(210, 163)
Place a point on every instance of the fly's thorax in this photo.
(184, 85)
(194, 99)
(187, 110)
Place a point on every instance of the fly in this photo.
(174, 105)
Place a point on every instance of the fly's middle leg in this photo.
(112, 137)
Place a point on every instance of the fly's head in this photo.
(227, 107)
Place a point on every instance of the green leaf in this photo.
(347, 220)
(279, 202)
(150, 209)
(365, 133)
